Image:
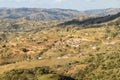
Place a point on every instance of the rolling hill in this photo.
(42, 50)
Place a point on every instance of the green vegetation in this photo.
(33, 74)
(39, 51)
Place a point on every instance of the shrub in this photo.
(25, 50)
(42, 71)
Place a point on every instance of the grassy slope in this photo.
(96, 57)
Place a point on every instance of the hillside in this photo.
(93, 20)
(41, 50)
(51, 14)
(23, 25)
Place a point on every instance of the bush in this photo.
(25, 50)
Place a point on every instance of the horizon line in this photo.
(60, 8)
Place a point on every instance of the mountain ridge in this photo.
(52, 14)
(91, 20)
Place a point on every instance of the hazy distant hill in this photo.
(37, 13)
(51, 14)
(102, 12)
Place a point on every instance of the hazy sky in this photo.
(65, 4)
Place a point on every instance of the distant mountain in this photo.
(37, 13)
(51, 14)
(102, 12)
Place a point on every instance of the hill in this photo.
(51, 14)
(102, 12)
(66, 51)
(92, 20)
(41, 50)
